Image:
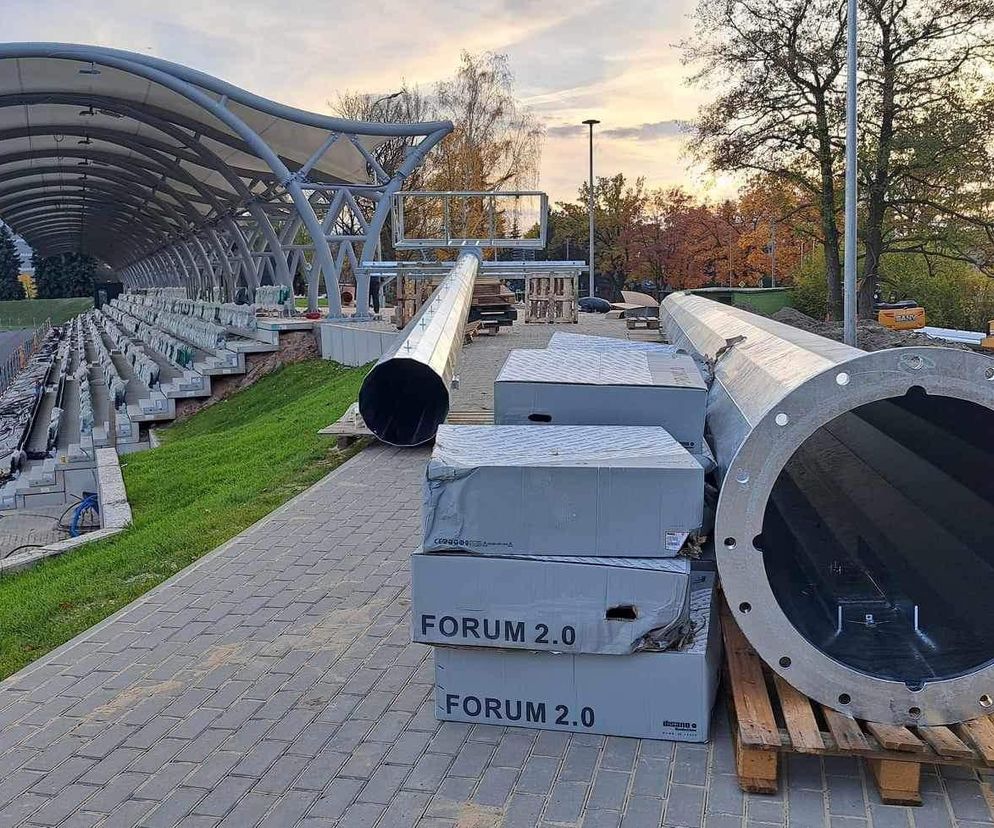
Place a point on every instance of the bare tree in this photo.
(925, 115)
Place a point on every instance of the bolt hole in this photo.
(729, 543)
(844, 698)
(745, 607)
(742, 477)
(781, 419)
(989, 373)
(914, 712)
(785, 662)
(842, 378)
(757, 543)
(986, 701)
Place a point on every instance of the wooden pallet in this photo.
(551, 299)
(770, 717)
(470, 418)
(348, 428)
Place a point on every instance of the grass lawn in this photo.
(214, 475)
(27, 313)
(301, 302)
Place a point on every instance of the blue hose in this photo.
(86, 504)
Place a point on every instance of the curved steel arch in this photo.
(207, 246)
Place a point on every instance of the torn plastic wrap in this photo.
(613, 606)
(561, 490)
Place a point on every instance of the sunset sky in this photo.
(615, 60)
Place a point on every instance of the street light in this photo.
(590, 123)
(849, 288)
(384, 99)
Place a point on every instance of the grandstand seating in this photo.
(104, 377)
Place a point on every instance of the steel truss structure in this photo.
(172, 177)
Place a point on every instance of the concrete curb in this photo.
(115, 514)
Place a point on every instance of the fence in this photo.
(19, 359)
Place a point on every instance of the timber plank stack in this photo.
(493, 305)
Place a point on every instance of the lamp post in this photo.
(849, 287)
(590, 123)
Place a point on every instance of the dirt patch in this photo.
(295, 346)
(129, 697)
(479, 816)
(872, 335)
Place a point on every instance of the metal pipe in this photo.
(854, 531)
(405, 398)
(591, 122)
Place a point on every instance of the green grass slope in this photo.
(214, 475)
(27, 313)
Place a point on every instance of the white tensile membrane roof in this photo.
(94, 142)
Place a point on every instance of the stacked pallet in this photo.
(493, 305)
(551, 299)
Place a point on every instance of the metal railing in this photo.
(19, 359)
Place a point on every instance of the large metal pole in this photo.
(592, 202)
(850, 287)
(840, 464)
(405, 398)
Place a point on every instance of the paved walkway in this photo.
(274, 683)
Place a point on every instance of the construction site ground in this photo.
(274, 683)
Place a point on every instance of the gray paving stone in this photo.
(537, 775)
(770, 811)
(174, 808)
(595, 818)
(336, 799)
(289, 809)
(428, 773)
(684, 806)
(495, 786)
(384, 784)
(566, 802)
(404, 810)
(725, 796)
(223, 796)
(609, 790)
(651, 778)
(807, 808)
(579, 763)
(248, 811)
(845, 796)
(643, 811)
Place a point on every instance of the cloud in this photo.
(572, 59)
(648, 132)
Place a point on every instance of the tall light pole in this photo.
(849, 287)
(590, 123)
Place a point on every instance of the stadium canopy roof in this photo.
(119, 155)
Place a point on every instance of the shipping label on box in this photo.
(605, 491)
(570, 605)
(592, 387)
(666, 695)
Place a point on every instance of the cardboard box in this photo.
(666, 695)
(561, 490)
(593, 387)
(612, 606)
(563, 340)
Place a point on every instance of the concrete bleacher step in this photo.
(250, 346)
(221, 363)
(37, 443)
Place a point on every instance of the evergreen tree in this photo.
(10, 267)
(68, 274)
